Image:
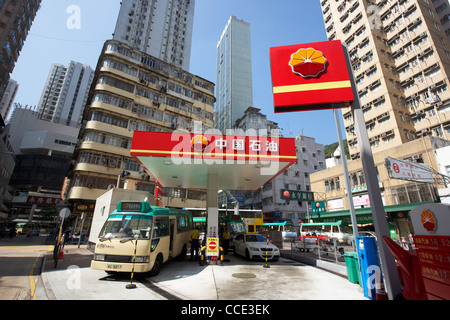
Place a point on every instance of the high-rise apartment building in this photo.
(160, 28)
(65, 93)
(234, 91)
(401, 61)
(8, 98)
(132, 91)
(443, 11)
(16, 17)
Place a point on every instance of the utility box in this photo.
(370, 267)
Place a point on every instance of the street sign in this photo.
(401, 169)
(212, 248)
(64, 213)
(318, 207)
(297, 195)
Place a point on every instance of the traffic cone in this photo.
(61, 253)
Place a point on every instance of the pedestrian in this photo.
(195, 235)
(226, 240)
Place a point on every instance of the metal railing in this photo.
(329, 249)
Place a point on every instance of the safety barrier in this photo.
(329, 249)
(204, 259)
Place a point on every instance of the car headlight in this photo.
(99, 257)
(142, 259)
(275, 249)
(254, 249)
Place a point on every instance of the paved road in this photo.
(22, 259)
(20, 262)
(237, 279)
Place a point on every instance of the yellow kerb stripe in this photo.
(313, 86)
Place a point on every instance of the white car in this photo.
(255, 246)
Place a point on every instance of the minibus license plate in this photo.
(114, 266)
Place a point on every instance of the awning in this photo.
(184, 160)
(368, 211)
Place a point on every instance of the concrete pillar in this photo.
(212, 205)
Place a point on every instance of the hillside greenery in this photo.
(329, 149)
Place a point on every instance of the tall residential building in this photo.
(234, 91)
(65, 93)
(401, 61)
(133, 90)
(443, 11)
(16, 17)
(160, 28)
(8, 98)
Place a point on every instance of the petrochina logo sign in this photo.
(199, 143)
(428, 220)
(308, 62)
(310, 76)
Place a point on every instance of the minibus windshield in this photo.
(127, 226)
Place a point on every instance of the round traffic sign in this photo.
(396, 168)
(64, 213)
(212, 245)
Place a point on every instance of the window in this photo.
(161, 227)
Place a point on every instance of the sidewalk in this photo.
(184, 280)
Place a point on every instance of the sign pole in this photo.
(346, 178)
(389, 267)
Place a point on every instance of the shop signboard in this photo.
(297, 195)
(318, 207)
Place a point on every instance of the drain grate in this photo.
(244, 275)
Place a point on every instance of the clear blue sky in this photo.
(272, 23)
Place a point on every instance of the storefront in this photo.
(397, 217)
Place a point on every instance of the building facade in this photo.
(8, 98)
(399, 196)
(135, 91)
(16, 17)
(234, 91)
(43, 153)
(65, 93)
(401, 62)
(162, 29)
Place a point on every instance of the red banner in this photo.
(207, 146)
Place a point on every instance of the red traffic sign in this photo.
(212, 245)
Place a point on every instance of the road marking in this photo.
(32, 282)
(31, 275)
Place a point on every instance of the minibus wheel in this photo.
(157, 265)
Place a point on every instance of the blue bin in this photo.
(369, 265)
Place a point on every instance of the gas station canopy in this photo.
(184, 160)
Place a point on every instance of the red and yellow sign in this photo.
(310, 76)
(207, 146)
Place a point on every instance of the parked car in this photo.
(255, 246)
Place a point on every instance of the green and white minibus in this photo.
(141, 235)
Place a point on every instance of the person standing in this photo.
(226, 240)
(195, 245)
